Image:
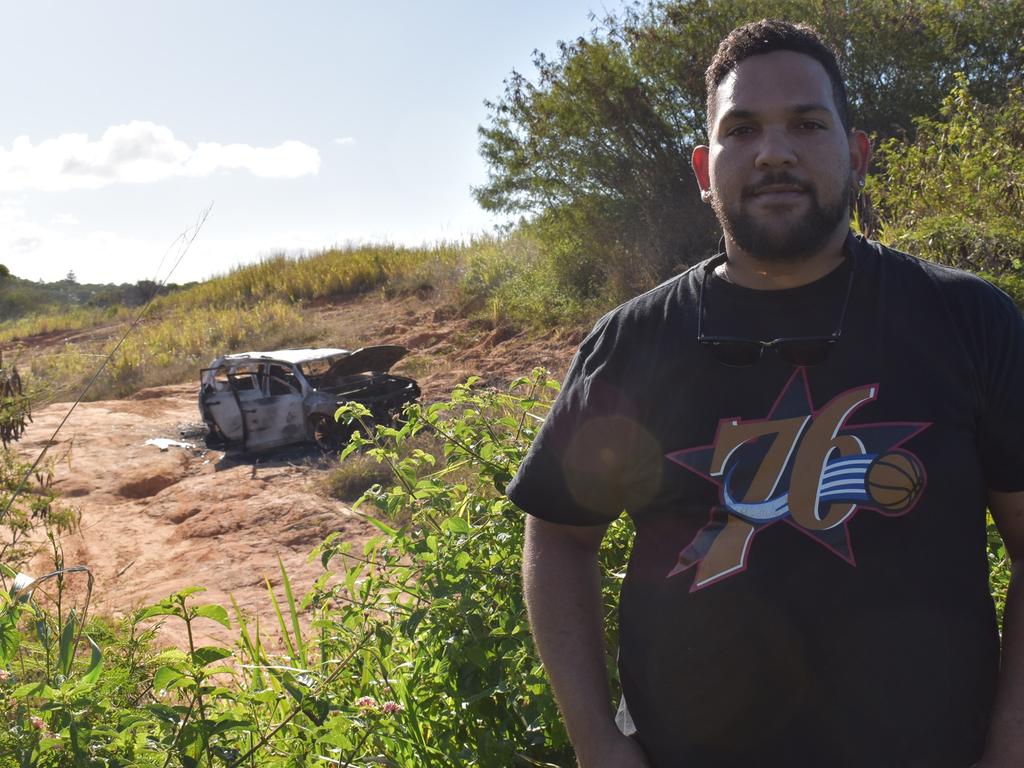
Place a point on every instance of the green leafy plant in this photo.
(191, 723)
(955, 194)
(29, 504)
(55, 682)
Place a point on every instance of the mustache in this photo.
(773, 179)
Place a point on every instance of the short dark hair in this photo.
(767, 36)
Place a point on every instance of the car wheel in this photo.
(328, 434)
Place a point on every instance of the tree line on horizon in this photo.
(20, 297)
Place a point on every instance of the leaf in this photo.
(170, 715)
(95, 663)
(315, 709)
(457, 525)
(10, 638)
(381, 525)
(165, 678)
(223, 726)
(163, 608)
(66, 647)
(285, 636)
(38, 690)
(208, 654)
(293, 613)
(171, 656)
(251, 646)
(215, 613)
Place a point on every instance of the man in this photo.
(806, 431)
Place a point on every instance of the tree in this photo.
(955, 193)
(590, 154)
(594, 150)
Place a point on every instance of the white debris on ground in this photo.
(163, 443)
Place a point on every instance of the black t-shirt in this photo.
(809, 584)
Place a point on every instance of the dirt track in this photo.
(153, 521)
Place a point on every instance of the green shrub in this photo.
(30, 508)
(956, 193)
(418, 652)
(358, 472)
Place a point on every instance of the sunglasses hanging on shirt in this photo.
(737, 352)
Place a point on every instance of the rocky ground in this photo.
(155, 521)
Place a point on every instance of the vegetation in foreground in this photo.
(418, 652)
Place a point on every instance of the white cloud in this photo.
(64, 218)
(344, 141)
(138, 153)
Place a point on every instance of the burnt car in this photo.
(255, 401)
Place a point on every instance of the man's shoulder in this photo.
(953, 284)
(637, 326)
(678, 293)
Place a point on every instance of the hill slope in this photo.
(153, 522)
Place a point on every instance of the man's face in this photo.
(778, 169)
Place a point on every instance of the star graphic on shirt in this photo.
(847, 467)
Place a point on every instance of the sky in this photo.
(305, 125)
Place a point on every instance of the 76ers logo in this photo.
(808, 468)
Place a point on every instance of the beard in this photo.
(802, 239)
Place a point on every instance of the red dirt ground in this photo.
(153, 522)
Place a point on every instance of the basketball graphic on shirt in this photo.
(895, 480)
(811, 466)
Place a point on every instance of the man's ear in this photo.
(699, 162)
(860, 155)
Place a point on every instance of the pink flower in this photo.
(4, 675)
(366, 702)
(37, 723)
(390, 707)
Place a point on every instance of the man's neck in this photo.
(747, 270)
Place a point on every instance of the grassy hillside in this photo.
(262, 305)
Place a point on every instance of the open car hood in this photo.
(368, 359)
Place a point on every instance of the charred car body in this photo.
(255, 401)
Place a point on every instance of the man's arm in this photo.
(562, 587)
(1006, 734)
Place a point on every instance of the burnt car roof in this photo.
(378, 358)
(290, 355)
